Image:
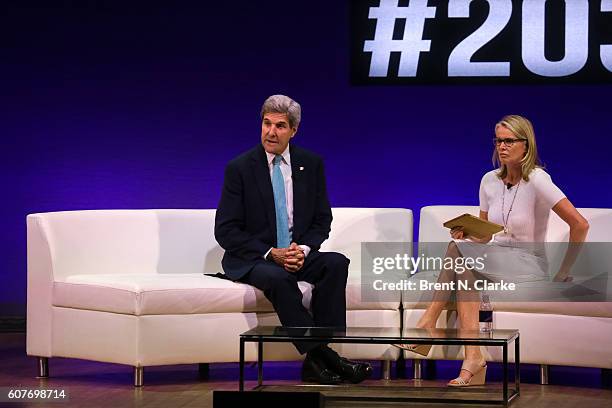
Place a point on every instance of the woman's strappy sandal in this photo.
(478, 369)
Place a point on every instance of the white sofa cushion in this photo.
(152, 294)
(182, 241)
(131, 241)
(144, 262)
(591, 309)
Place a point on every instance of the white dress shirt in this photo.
(285, 167)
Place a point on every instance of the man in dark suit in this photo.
(272, 218)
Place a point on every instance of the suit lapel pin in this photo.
(301, 168)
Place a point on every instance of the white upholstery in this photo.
(551, 339)
(131, 241)
(170, 339)
(129, 286)
(144, 294)
(559, 333)
(155, 294)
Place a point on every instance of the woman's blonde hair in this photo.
(523, 129)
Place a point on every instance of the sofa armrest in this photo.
(40, 288)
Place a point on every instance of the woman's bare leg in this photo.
(468, 304)
(440, 297)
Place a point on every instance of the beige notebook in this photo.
(474, 226)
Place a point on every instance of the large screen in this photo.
(481, 41)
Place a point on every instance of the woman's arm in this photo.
(579, 228)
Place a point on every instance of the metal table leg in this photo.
(517, 365)
(241, 376)
(505, 370)
(259, 362)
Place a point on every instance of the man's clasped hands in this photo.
(292, 258)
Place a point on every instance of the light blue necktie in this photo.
(283, 236)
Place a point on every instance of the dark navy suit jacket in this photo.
(245, 222)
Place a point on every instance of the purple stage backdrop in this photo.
(110, 105)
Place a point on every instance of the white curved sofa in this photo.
(552, 333)
(128, 287)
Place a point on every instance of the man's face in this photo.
(275, 132)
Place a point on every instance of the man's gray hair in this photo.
(283, 104)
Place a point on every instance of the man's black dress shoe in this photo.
(351, 371)
(314, 370)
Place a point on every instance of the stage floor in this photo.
(92, 384)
